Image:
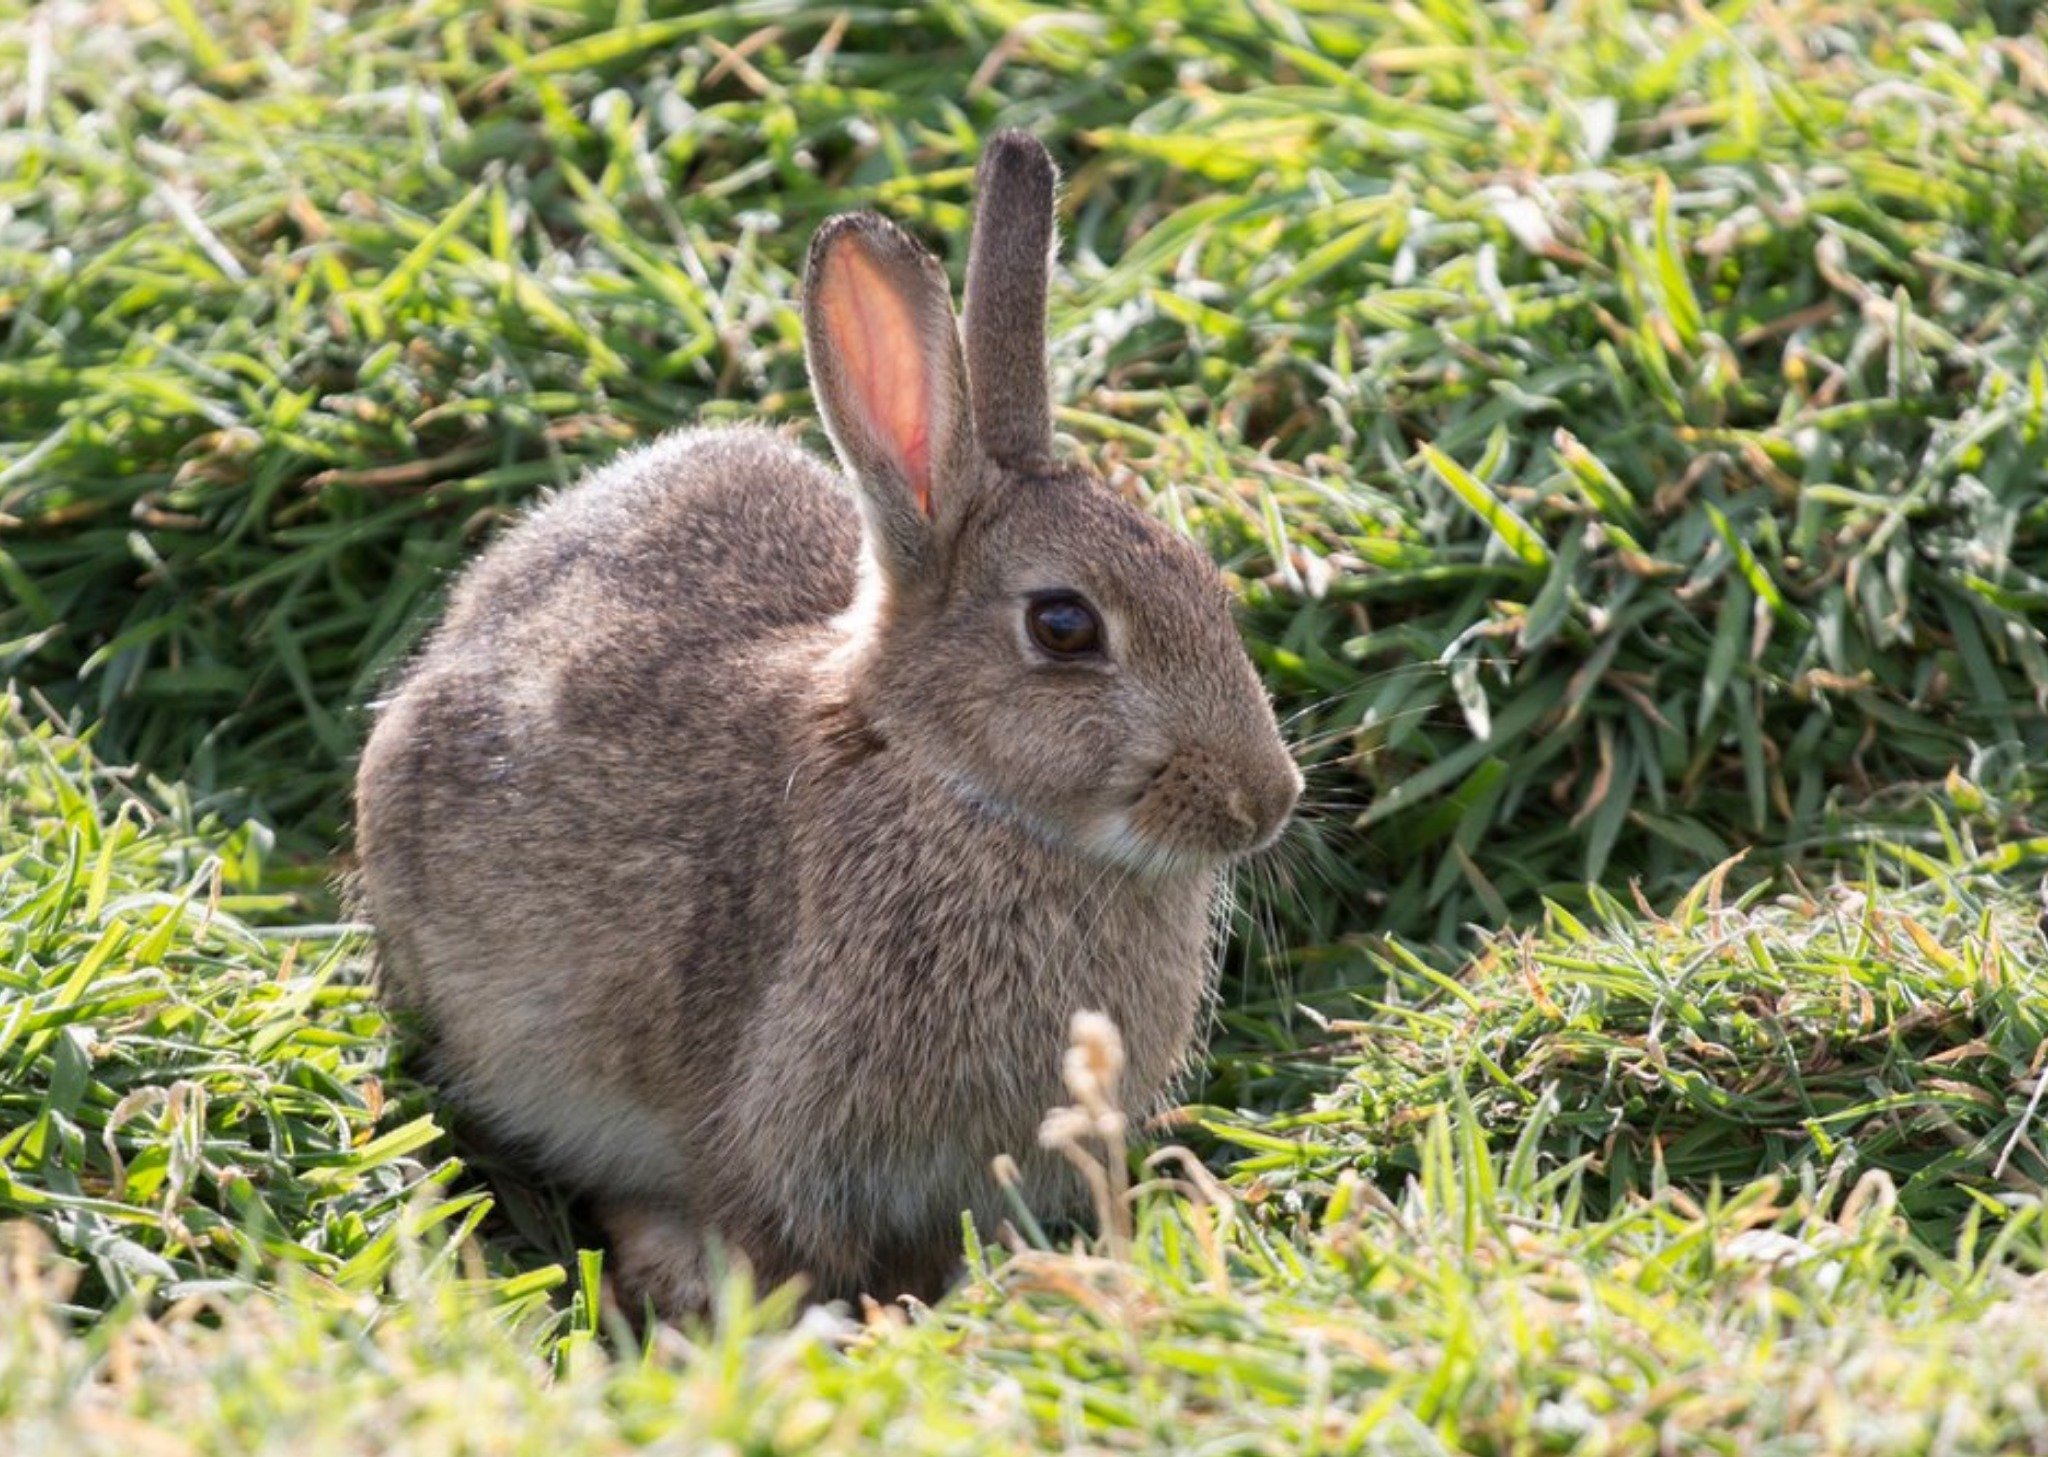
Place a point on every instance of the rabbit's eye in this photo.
(1064, 625)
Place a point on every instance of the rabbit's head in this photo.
(1038, 643)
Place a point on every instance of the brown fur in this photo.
(1004, 310)
(744, 858)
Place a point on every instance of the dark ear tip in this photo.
(1013, 157)
(877, 234)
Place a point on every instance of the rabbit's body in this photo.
(813, 1077)
(746, 849)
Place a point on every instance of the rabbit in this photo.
(746, 836)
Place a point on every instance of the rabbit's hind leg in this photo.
(660, 1257)
(658, 1260)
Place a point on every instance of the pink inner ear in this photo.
(881, 356)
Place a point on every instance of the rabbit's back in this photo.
(561, 805)
(706, 537)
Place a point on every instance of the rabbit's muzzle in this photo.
(1205, 803)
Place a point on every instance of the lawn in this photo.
(1625, 427)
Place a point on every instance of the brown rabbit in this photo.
(746, 841)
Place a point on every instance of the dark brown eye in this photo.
(1064, 625)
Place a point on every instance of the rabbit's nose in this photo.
(1216, 801)
(1261, 802)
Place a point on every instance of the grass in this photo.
(1869, 1026)
(1624, 424)
(1627, 425)
(1739, 1177)
(1479, 1312)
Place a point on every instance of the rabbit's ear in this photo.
(1004, 315)
(884, 356)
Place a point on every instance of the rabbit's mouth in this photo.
(1122, 844)
(1117, 837)
(1182, 817)
(1198, 808)
(1169, 824)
